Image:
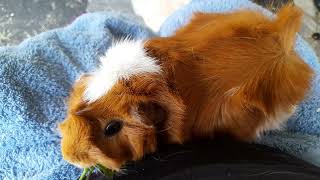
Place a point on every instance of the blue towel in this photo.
(36, 76)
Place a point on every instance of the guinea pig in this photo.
(234, 73)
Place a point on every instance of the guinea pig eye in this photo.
(112, 128)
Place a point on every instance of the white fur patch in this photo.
(121, 61)
(277, 123)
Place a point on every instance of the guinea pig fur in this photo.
(235, 73)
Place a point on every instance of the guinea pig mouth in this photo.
(100, 158)
(82, 165)
(78, 160)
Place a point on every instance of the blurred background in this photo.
(20, 19)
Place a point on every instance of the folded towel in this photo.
(36, 76)
(301, 137)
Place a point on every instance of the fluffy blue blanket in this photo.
(36, 76)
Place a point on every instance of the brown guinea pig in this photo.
(234, 73)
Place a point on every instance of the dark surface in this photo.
(219, 159)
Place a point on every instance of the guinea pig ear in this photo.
(163, 49)
(152, 113)
(156, 47)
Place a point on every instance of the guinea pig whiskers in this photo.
(159, 159)
(206, 25)
(163, 130)
(248, 38)
(123, 170)
(137, 126)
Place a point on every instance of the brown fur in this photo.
(234, 73)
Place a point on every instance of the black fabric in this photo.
(219, 159)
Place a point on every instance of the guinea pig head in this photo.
(118, 112)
